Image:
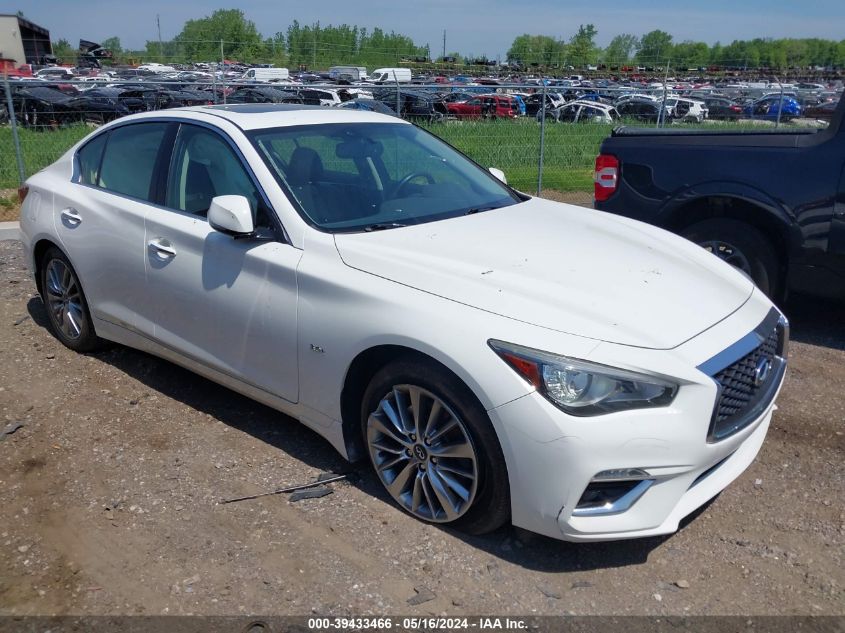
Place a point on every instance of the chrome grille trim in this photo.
(741, 399)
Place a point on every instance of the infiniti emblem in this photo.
(420, 453)
(762, 371)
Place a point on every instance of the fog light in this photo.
(610, 492)
(622, 474)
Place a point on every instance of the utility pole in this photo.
(160, 45)
(444, 45)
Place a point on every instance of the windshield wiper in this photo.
(475, 210)
(384, 226)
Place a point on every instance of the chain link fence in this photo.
(545, 139)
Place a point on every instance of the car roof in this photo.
(257, 116)
(592, 104)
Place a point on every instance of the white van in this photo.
(391, 75)
(266, 74)
(350, 73)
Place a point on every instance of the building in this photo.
(23, 41)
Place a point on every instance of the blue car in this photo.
(767, 108)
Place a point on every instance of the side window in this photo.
(88, 160)
(129, 159)
(204, 166)
(568, 114)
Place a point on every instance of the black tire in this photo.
(490, 508)
(86, 340)
(745, 247)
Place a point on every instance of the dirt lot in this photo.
(108, 498)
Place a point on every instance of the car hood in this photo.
(561, 267)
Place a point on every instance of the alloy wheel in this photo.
(423, 454)
(64, 299)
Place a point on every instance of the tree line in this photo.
(228, 34)
(658, 48)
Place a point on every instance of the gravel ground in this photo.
(108, 495)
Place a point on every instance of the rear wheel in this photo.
(742, 246)
(67, 309)
(433, 447)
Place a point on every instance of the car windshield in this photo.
(366, 176)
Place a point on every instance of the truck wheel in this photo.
(740, 245)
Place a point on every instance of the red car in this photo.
(485, 106)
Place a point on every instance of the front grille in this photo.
(737, 380)
(747, 385)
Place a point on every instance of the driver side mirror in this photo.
(231, 215)
(498, 173)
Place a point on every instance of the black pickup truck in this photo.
(771, 203)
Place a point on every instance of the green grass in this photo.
(39, 150)
(512, 146)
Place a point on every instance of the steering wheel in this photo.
(414, 174)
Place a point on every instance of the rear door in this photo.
(100, 221)
(229, 304)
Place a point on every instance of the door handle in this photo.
(162, 248)
(71, 216)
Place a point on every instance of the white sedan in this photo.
(495, 356)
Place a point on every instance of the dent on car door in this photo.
(100, 217)
(227, 303)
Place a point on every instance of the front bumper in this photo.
(552, 458)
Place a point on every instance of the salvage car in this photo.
(723, 108)
(643, 110)
(773, 107)
(485, 106)
(415, 105)
(494, 356)
(534, 102)
(581, 112)
(44, 107)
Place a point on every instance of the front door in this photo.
(227, 303)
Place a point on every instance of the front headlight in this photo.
(582, 388)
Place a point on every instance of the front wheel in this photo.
(433, 447)
(740, 245)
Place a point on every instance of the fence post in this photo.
(13, 122)
(398, 96)
(661, 119)
(542, 143)
(780, 103)
(223, 73)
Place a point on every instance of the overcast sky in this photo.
(477, 27)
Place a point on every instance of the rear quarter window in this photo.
(88, 160)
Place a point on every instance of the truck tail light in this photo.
(606, 177)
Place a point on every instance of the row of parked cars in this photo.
(696, 108)
(49, 104)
